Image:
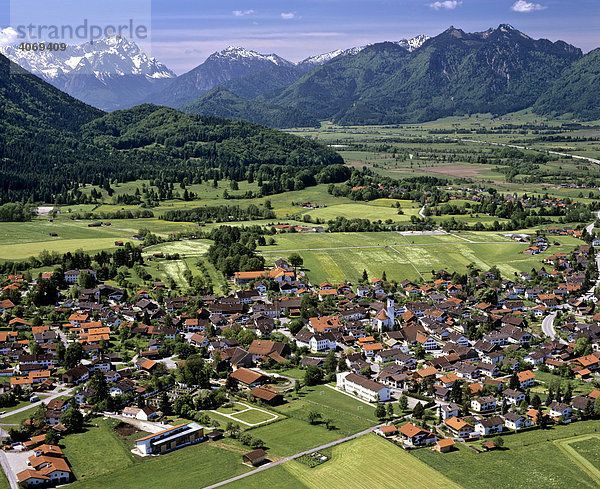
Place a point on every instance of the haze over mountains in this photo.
(499, 70)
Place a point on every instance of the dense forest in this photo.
(50, 144)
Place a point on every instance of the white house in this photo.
(515, 421)
(362, 387)
(486, 403)
(488, 426)
(513, 397)
(316, 342)
(558, 409)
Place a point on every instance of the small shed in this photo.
(489, 445)
(444, 445)
(215, 435)
(255, 457)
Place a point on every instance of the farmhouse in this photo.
(170, 439)
(249, 377)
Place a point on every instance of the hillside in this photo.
(575, 92)
(500, 70)
(50, 143)
(220, 102)
(170, 140)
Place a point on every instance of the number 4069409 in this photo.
(43, 46)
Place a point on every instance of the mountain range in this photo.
(499, 70)
(51, 143)
(107, 73)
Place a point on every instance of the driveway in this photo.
(55, 393)
(149, 426)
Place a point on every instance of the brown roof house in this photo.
(250, 378)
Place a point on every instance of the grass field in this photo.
(100, 459)
(295, 434)
(17, 417)
(583, 451)
(254, 416)
(97, 451)
(529, 459)
(589, 448)
(343, 256)
(365, 463)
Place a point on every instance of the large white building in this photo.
(170, 439)
(362, 387)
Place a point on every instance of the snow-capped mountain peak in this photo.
(414, 43)
(114, 55)
(237, 53)
(321, 59)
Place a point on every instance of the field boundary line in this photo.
(410, 262)
(412, 245)
(565, 446)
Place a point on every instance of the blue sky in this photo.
(185, 32)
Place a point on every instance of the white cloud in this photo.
(288, 15)
(8, 36)
(525, 7)
(446, 4)
(242, 13)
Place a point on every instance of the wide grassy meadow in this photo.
(551, 459)
(363, 463)
(343, 256)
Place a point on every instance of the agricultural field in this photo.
(452, 147)
(343, 256)
(524, 460)
(363, 463)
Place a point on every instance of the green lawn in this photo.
(547, 379)
(17, 417)
(100, 459)
(529, 459)
(295, 434)
(97, 451)
(254, 416)
(365, 463)
(589, 449)
(292, 435)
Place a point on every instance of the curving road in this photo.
(548, 325)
